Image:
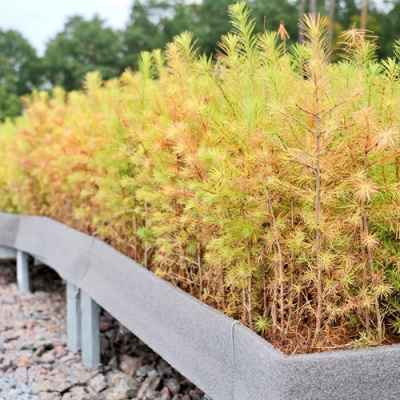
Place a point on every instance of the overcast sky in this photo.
(40, 20)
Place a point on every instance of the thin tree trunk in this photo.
(244, 305)
(377, 308)
(364, 13)
(278, 247)
(365, 274)
(290, 305)
(249, 290)
(222, 286)
(250, 295)
(200, 267)
(363, 228)
(318, 316)
(135, 241)
(146, 247)
(301, 19)
(364, 223)
(331, 24)
(274, 303)
(313, 7)
(264, 294)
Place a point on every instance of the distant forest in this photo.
(86, 45)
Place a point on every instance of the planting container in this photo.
(221, 356)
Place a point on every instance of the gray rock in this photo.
(49, 396)
(112, 394)
(10, 336)
(144, 371)
(98, 383)
(39, 351)
(47, 344)
(6, 363)
(113, 363)
(77, 390)
(163, 397)
(21, 374)
(84, 396)
(81, 376)
(22, 345)
(68, 357)
(174, 386)
(150, 384)
(42, 386)
(62, 385)
(165, 391)
(47, 358)
(130, 365)
(123, 384)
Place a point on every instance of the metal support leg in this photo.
(23, 272)
(73, 318)
(90, 330)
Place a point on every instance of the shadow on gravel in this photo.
(8, 273)
(45, 279)
(42, 277)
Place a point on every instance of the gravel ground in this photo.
(35, 363)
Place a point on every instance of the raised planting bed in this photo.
(7, 253)
(221, 356)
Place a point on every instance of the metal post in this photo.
(23, 272)
(90, 330)
(73, 318)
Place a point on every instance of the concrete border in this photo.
(7, 254)
(221, 356)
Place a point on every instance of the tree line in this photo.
(84, 45)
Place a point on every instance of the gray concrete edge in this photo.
(221, 356)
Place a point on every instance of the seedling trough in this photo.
(221, 356)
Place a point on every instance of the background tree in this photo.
(302, 7)
(20, 71)
(81, 47)
(364, 13)
(86, 45)
(313, 7)
(331, 21)
(213, 22)
(141, 33)
(153, 24)
(183, 17)
(275, 12)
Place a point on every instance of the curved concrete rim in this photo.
(221, 356)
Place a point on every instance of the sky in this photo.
(40, 20)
